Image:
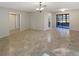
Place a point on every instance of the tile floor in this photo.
(56, 42)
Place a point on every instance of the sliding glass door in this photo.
(62, 20)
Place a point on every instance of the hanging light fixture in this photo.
(40, 7)
(64, 9)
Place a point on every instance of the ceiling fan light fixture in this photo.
(41, 7)
(63, 9)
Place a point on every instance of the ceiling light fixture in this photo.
(63, 10)
(40, 7)
(37, 8)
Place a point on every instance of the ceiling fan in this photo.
(41, 7)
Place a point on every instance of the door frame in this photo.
(17, 18)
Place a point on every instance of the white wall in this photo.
(18, 21)
(53, 20)
(39, 21)
(24, 21)
(4, 21)
(74, 20)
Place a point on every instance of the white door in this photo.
(12, 21)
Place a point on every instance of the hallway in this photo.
(40, 43)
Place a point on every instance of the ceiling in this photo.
(31, 6)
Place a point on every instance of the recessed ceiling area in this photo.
(31, 6)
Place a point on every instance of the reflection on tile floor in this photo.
(56, 42)
(45, 54)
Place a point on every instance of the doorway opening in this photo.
(14, 22)
(49, 25)
(62, 21)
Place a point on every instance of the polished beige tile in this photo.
(40, 43)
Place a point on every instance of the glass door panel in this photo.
(62, 20)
